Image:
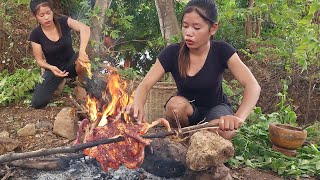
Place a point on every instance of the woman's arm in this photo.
(84, 39)
(37, 53)
(251, 87)
(141, 93)
(84, 32)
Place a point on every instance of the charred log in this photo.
(42, 164)
(165, 158)
(95, 86)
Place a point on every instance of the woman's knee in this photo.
(177, 103)
(178, 108)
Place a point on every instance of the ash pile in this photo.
(88, 168)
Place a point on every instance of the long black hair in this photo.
(208, 11)
(35, 6)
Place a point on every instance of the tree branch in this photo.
(75, 148)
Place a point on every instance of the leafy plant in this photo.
(15, 87)
(314, 133)
(67, 89)
(285, 114)
(232, 90)
(129, 73)
(253, 149)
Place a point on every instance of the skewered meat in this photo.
(129, 152)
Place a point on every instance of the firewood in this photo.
(79, 147)
(42, 164)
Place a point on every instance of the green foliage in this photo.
(19, 2)
(285, 115)
(314, 133)
(129, 74)
(308, 48)
(231, 27)
(142, 41)
(253, 148)
(15, 87)
(233, 91)
(13, 33)
(288, 35)
(67, 89)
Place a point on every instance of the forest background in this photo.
(278, 40)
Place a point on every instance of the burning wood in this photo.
(106, 123)
(107, 120)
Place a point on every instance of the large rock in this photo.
(207, 149)
(65, 124)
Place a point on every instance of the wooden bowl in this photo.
(286, 136)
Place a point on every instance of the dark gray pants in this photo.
(208, 114)
(43, 92)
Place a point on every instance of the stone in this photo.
(4, 134)
(65, 123)
(8, 144)
(207, 149)
(28, 130)
(44, 125)
(219, 172)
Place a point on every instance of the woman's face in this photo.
(45, 16)
(196, 30)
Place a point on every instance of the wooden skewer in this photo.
(79, 147)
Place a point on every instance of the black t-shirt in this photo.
(205, 87)
(57, 53)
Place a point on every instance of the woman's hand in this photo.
(83, 58)
(137, 112)
(230, 123)
(57, 72)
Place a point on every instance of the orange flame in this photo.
(116, 88)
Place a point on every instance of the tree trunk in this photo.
(248, 24)
(167, 19)
(97, 27)
(258, 27)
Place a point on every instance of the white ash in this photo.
(85, 170)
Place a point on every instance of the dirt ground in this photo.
(12, 118)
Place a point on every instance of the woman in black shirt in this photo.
(52, 40)
(197, 65)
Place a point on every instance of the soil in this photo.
(14, 117)
(17, 116)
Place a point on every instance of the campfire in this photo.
(113, 138)
(108, 120)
